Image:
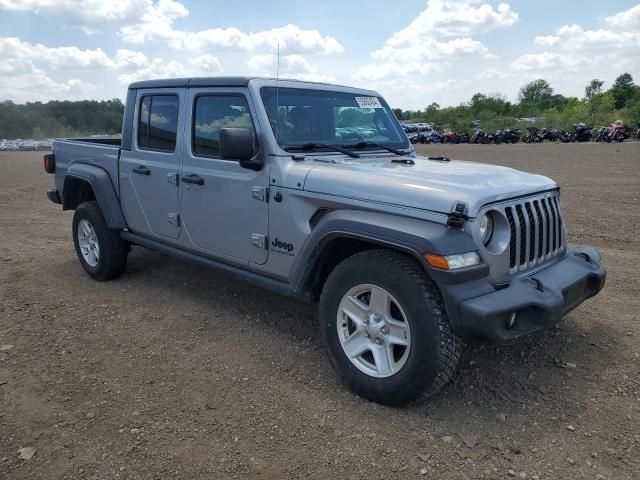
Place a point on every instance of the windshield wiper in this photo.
(313, 146)
(379, 145)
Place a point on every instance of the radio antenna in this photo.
(278, 94)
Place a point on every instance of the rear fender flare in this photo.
(103, 190)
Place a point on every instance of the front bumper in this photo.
(539, 300)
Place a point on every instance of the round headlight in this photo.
(486, 228)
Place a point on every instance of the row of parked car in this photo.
(616, 132)
(18, 145)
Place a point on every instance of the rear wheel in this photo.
(101, 251)
(385, 328)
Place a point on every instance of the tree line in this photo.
(536, 100)
(38, 120)
(538, 103)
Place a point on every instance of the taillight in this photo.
(50, 163)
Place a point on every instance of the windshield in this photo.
(304, 116)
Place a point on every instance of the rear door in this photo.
(224, 209)
(149, 171)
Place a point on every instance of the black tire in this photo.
(112, 259)
(435, 348)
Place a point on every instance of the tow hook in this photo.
(585, 256)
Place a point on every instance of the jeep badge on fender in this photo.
(282, 246)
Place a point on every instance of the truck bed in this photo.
(101, 152)
(100, 141)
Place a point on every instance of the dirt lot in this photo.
(173, 371)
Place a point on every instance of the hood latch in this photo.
(457, 217)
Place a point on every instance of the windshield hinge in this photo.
(457, 217)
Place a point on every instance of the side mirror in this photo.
(237, 144)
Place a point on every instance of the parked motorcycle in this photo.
(600, 134)
(617, 132)
(581, 133)
(564, 136)
(511, 135)
(464, 137)
(478, 136)
(488, 138)
(551, 135)
(419, 137)
(532, 136)
(433, 137)
(450, 137)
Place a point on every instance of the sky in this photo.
(416, 53)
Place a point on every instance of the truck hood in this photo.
(428, 184)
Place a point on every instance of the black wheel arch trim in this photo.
(103, 189)
(409, 235)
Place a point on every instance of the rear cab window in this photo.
(158, 122)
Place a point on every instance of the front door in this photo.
(149, 171)
(223, 206)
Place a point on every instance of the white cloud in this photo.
(627, 19)
(157, 68)
(548, 61)
(81, 12)
(454, 18)
(492, 73)
(572, 54)
(142, 20)
(547, 40)
(56, 57)
(291, 66)
(25, 69)
(23, 82)
(291, 38)
(573, 38)
(130, 59)
(207, 64)
(155, 23)
(439, 35)
(431, 49)
(375, 72)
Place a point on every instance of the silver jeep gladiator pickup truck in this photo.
(313, 190)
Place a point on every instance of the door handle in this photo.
(193, 178)
(141, 170)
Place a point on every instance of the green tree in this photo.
(536, 95)
(593, 89)
(60, 118)
(433, 108)
(622, 90)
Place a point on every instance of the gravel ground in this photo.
(173, 371)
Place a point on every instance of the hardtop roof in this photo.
(217, 82)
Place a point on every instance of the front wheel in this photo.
(101, 251)
(385, 329)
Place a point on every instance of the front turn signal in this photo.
(452, 262)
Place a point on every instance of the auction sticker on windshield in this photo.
(369, 102)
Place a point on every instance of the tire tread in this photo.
(113, 250)
(450, 343)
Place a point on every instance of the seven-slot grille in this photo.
(536, 231)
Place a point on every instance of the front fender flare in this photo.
(103, 189)
(410, 235)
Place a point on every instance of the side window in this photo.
(158, 122)
(214, 112)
